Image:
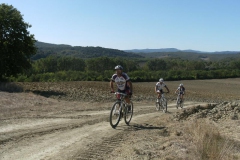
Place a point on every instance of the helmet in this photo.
(180, 85)
(161, 80)
(118, 67)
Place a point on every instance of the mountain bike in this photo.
(120, 109)
(161, 103)
(179, 101)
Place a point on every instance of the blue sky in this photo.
(204, 25)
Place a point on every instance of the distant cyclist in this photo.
(159, 88)
(123, 82)
(180, 90)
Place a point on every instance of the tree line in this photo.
(45, 50)
(55, 68)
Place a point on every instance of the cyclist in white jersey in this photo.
(159, 88)
(123, 82)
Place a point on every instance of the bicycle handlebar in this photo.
(119, 93)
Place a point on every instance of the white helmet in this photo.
(161, 80)
(180, 85)
(118, 67)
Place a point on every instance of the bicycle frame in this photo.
(179, 101)
(123, 110)
(162, 103)
(178, 97)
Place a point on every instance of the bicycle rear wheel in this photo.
(178, 103)
(164, 105)
(128, 114)
(115, 114)
(181, 104)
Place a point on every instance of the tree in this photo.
(156, 64)
(100, 64)
(17, 45)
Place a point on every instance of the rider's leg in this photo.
(127, 100)
(181, 95)
(158, 96)
(157, 92)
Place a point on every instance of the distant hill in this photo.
(177, 50)
(47, 49)
(49, 45)
(192, 55)
(186, 54)
(152, 50)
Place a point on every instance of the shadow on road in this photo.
(10, 87)
(49, 93)
(145, 126)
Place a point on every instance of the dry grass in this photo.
(209, 144)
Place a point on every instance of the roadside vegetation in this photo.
(209, 143)
(55, 69)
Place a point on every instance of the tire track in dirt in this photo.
(97, 151)
(91, 138)
(101, 150)
(18, 134)
(48, 124)
(54, 144)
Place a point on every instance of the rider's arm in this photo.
(176, 91)
(167, 88)
(184, 91)
(129, 83)
(156, 89)
(111, 86)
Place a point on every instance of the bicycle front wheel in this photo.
(164, 105)
(157, 106)
(128, 113)
(115, 114)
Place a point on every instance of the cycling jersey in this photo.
(181, 90)
(160, 86)
(121, 81)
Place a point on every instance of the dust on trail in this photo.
(76, 135)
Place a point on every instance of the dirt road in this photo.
(69, 120)
(72, 130)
